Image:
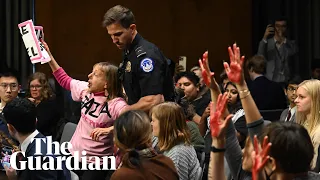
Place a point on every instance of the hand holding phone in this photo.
(269, 31)
(5, 156)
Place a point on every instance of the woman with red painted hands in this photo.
(102, 103)
(290, 154)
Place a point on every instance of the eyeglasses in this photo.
(292, 88)
(35, 86)
(13, 86)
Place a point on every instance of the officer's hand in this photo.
(269, 30)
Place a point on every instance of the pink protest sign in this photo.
(39, 32)
(33, 46)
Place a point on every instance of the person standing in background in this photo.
(278, 51)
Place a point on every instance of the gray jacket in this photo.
(277, 67)
(284, 116)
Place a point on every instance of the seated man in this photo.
(288, 115)
(9, 88)
(189, 83)
(268, 95)
(20, 115)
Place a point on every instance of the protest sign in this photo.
(34, 47)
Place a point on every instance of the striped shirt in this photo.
(185, 160)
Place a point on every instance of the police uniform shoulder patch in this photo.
(146, 65)
(140, 51)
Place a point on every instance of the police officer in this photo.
(144, 71)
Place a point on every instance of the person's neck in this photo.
(292, 105)
(255, 75)
(3, 104)
(21, 137)
(134, 35)
(279, 38)
(308, 116)
(129, 46)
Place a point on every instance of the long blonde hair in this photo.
(312, 122)
(313, 89)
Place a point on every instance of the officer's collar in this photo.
(134, 43)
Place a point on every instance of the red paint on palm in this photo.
(205, 70)
(216, 113)
(234, 71)
(259, 156)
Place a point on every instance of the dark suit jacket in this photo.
(28, 174)
(267, 94)
(284, 116)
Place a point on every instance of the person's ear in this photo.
(133, 27)
(272, 164)
(11, 129)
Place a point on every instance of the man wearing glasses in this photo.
(288, 115)
(279, 52)
(9, 89)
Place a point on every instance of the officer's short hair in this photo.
(257, 63)
(119, 14)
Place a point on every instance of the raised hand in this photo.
(46, 47)
(234, 71)
(207, 75)
(259, 156)
(269, 31)
(217, 123)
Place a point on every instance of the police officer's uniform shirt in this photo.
(143, 70)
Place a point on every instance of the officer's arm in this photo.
(146, 103)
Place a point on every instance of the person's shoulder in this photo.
(313, 176)
(181, 149)
(117, 100)
(146, 49)
(317, 134)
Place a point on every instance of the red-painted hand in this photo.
(217, 123)
(206, 73)
(259, 156)
(234, 71)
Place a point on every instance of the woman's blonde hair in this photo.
(313, 89)
(312, 123)
(46, 91)
(114, 87)
(173, 128)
